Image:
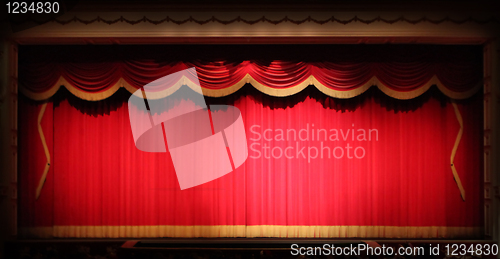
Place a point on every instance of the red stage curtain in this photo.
(101, 185)
(401, 71)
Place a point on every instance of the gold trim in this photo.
(409, 94)
(459, 95)
(228, 90)
(41, 96)
(454, 150)
(166, 92)
(45, 149)
(362, 231)
(343, 94)
(36, 232)
(252, 231)
(279, 92)
(135, 231)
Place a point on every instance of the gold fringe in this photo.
(409, 94)
(134, 231)
(343, 94)
(279, 92)
(251, 231)
(362, 232)
(454, 150)
(45, 149)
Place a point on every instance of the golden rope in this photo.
(45, 149)
(454, 150)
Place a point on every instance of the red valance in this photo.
(400, 71)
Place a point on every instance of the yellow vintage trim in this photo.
(362, 231)
(454, 150)
(278, 92)
(409, 94)
(134, 231)
(252, 231)
(228, 90)
(45, 149)
(459, 95)
(41, 96)
(343, 94)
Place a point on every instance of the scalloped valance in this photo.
(341, 71)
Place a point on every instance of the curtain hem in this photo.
(252, 231)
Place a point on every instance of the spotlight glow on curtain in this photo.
(401, 185)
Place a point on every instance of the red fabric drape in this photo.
(93, 72)
(99, 178)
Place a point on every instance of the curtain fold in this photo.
(403, 72)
